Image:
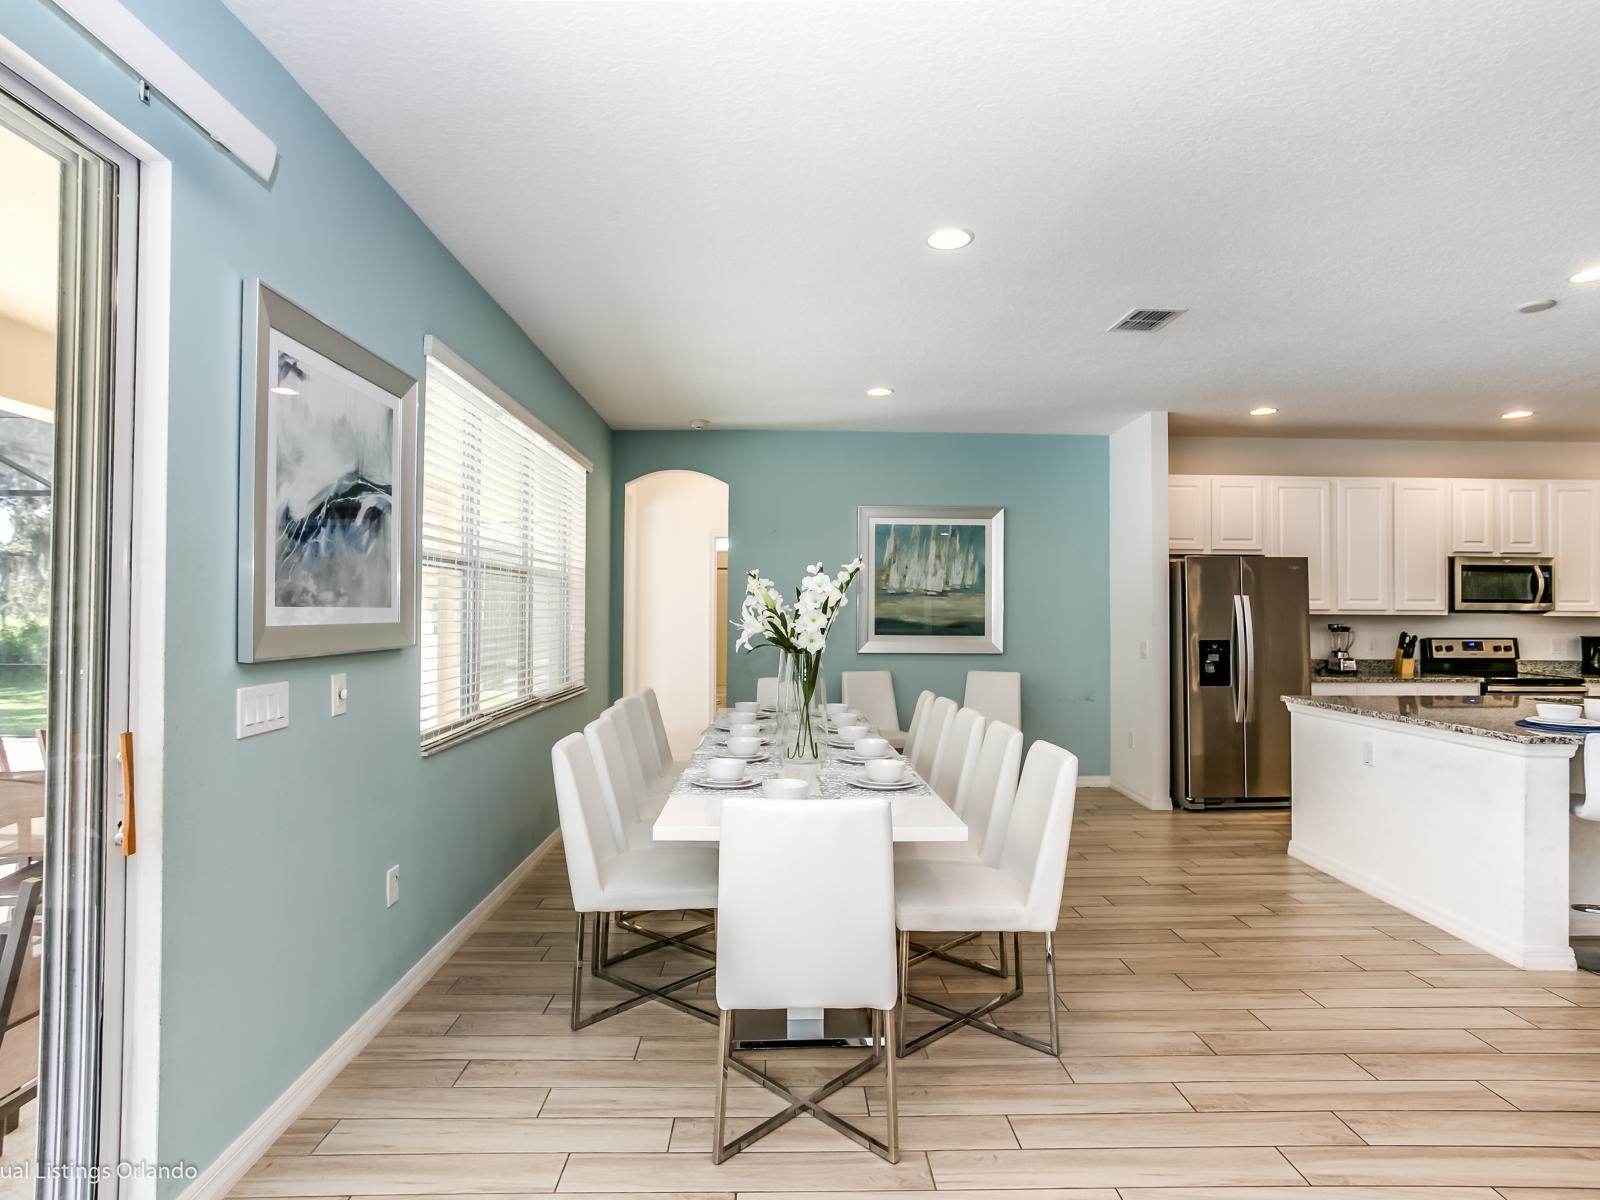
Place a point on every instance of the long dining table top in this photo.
(694, 813)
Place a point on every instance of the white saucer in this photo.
(1571, 723)
(758, 756)
(856, 760)
(763, 727)
(720, 785)
(859, 779)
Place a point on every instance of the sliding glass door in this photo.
(67, 216)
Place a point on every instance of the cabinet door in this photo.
(1521, 509)
(1189, 513)
(1421, 545)
(1364, 532)
(1300, 525)
(1236, 514)
(1473, 524)
(1574, 529)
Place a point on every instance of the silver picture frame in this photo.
(367, 601)
(873, 595)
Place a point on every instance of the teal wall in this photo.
(275, 936)
(792, 499)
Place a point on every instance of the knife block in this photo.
(1405, 668)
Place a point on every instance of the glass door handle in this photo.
(128, 828)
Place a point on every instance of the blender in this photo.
(1340, 660)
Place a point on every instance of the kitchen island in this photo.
(1444, 807)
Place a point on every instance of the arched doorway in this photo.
(674, 627)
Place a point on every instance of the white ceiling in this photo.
(30, 208)
(718, 209)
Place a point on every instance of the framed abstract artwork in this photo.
(327, 489)
(933, 582)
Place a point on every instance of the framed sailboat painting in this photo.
(933, 581)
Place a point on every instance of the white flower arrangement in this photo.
(803, 628)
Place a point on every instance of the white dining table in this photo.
(693, 813)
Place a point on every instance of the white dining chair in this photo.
(919, 718)
(767, 691)
(939, 714)
(659, 765)
(806, 920)
(1020, 894)
(622, 788)
(957, 753)
(996, 694)
(607, 876)
(871, 693)
(658, 727)
(984, 804)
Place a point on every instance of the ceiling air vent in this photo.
(1147, 320)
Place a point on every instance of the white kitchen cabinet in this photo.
(1574, 528)
(1236, 514)
(1474, 524)
(1364, 534)
(1189, 513)
(1421, 545)
(1300, 525)
(1520, 506)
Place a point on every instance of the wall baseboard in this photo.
(1094, 781)
(218, 1179)
(1159, 804)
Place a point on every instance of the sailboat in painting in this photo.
(929, 580)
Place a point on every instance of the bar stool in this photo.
(806, 921)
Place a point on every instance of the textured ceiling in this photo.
(718, 210)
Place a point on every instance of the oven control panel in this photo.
(1472, 648)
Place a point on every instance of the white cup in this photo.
(886, 770)
(748, 706)
(785, 789)
(738, 720)
(1591, 708)
(871, 747)
(838, 710)
(726, 770)
(853, 733)
(744, 747)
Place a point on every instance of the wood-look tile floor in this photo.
(1236, 1026)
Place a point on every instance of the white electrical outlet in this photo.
(261, 709)
(339, 696)
(1369, 755)
(391, 887)
(1130, 739)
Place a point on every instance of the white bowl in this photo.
(835, 710)
(871, 747)
(853, 733)
(743, 746)
(785, 789)
(735, 719)
(726, 770)
(748, 706)
(886, 770)
(1552, 710)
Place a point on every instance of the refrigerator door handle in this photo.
(1241, 665)
(1249, 658)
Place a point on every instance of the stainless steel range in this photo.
(1495, 660)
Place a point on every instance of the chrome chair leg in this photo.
(943, 952)
(905, 990)
(642, 993)
(811, 1104)
(978, 1018)
(892, 1131)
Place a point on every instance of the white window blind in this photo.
(503, 513)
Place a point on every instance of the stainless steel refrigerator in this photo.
(1240, 640)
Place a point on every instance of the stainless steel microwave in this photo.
(1510, 584)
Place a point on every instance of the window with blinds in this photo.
(503, 510)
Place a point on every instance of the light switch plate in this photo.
(339, 697)
(261, 709)
(391, 886)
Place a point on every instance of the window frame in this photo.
(482, 723)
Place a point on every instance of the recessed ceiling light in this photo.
(950, 238)
(1533, 306)
(699, 424)
(880, 391)
(1516, 414)
(1587, 275)
(1262, 410)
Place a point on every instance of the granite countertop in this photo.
(1383, 672)
(1481, 716)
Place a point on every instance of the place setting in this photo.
(1565, 716)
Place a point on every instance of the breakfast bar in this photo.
(1447, 808)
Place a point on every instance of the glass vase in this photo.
(802, 708)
